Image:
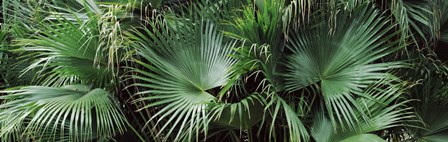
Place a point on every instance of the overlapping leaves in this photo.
(341, 60)
(180, 63)
(69, 113)
(76, 49)
(382, 112)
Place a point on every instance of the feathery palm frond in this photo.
(19, 18)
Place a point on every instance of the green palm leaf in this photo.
(3, 55)
(364, 138)
(443, 9)
(261, 23)
(341, 60)
(71, 49)
(242, 115)
(184, 60)
(64, 59)
(382, 113)
(73, 113)
(416, 20)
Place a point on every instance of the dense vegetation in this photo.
(224, 70)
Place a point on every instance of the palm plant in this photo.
(430, 93)
(223, 70)
(341, 62)
(69, 113)
(187, 60)
(3, 36)
(381, 110)
(66, 51)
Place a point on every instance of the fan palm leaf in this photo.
(341, 60)
(67, 58)
(73, 113)
(382, 113)
(417, 21)
(180, 63)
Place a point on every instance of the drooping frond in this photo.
(73, 113)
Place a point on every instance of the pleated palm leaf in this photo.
(66, 53)
(260, 26)
(69, 113)
(181, 61)
(341, 60)
(382, 112)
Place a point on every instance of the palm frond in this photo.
(382, 112)
(261, 23)
(242, 115)
(3, 56)
(295, 126)
(416, 20)
(341, 60)
(297, 13)
(180, 63)
(73, 112)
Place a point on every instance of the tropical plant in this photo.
(223, 70)
(69, 113)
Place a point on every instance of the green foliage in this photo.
(69, 113)
(381, 113)
(262, 26)
(187, 59)
(75, 50)
(431, 95)
(340, 62)
(223, 70)
(3, 55)
(443, 16)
